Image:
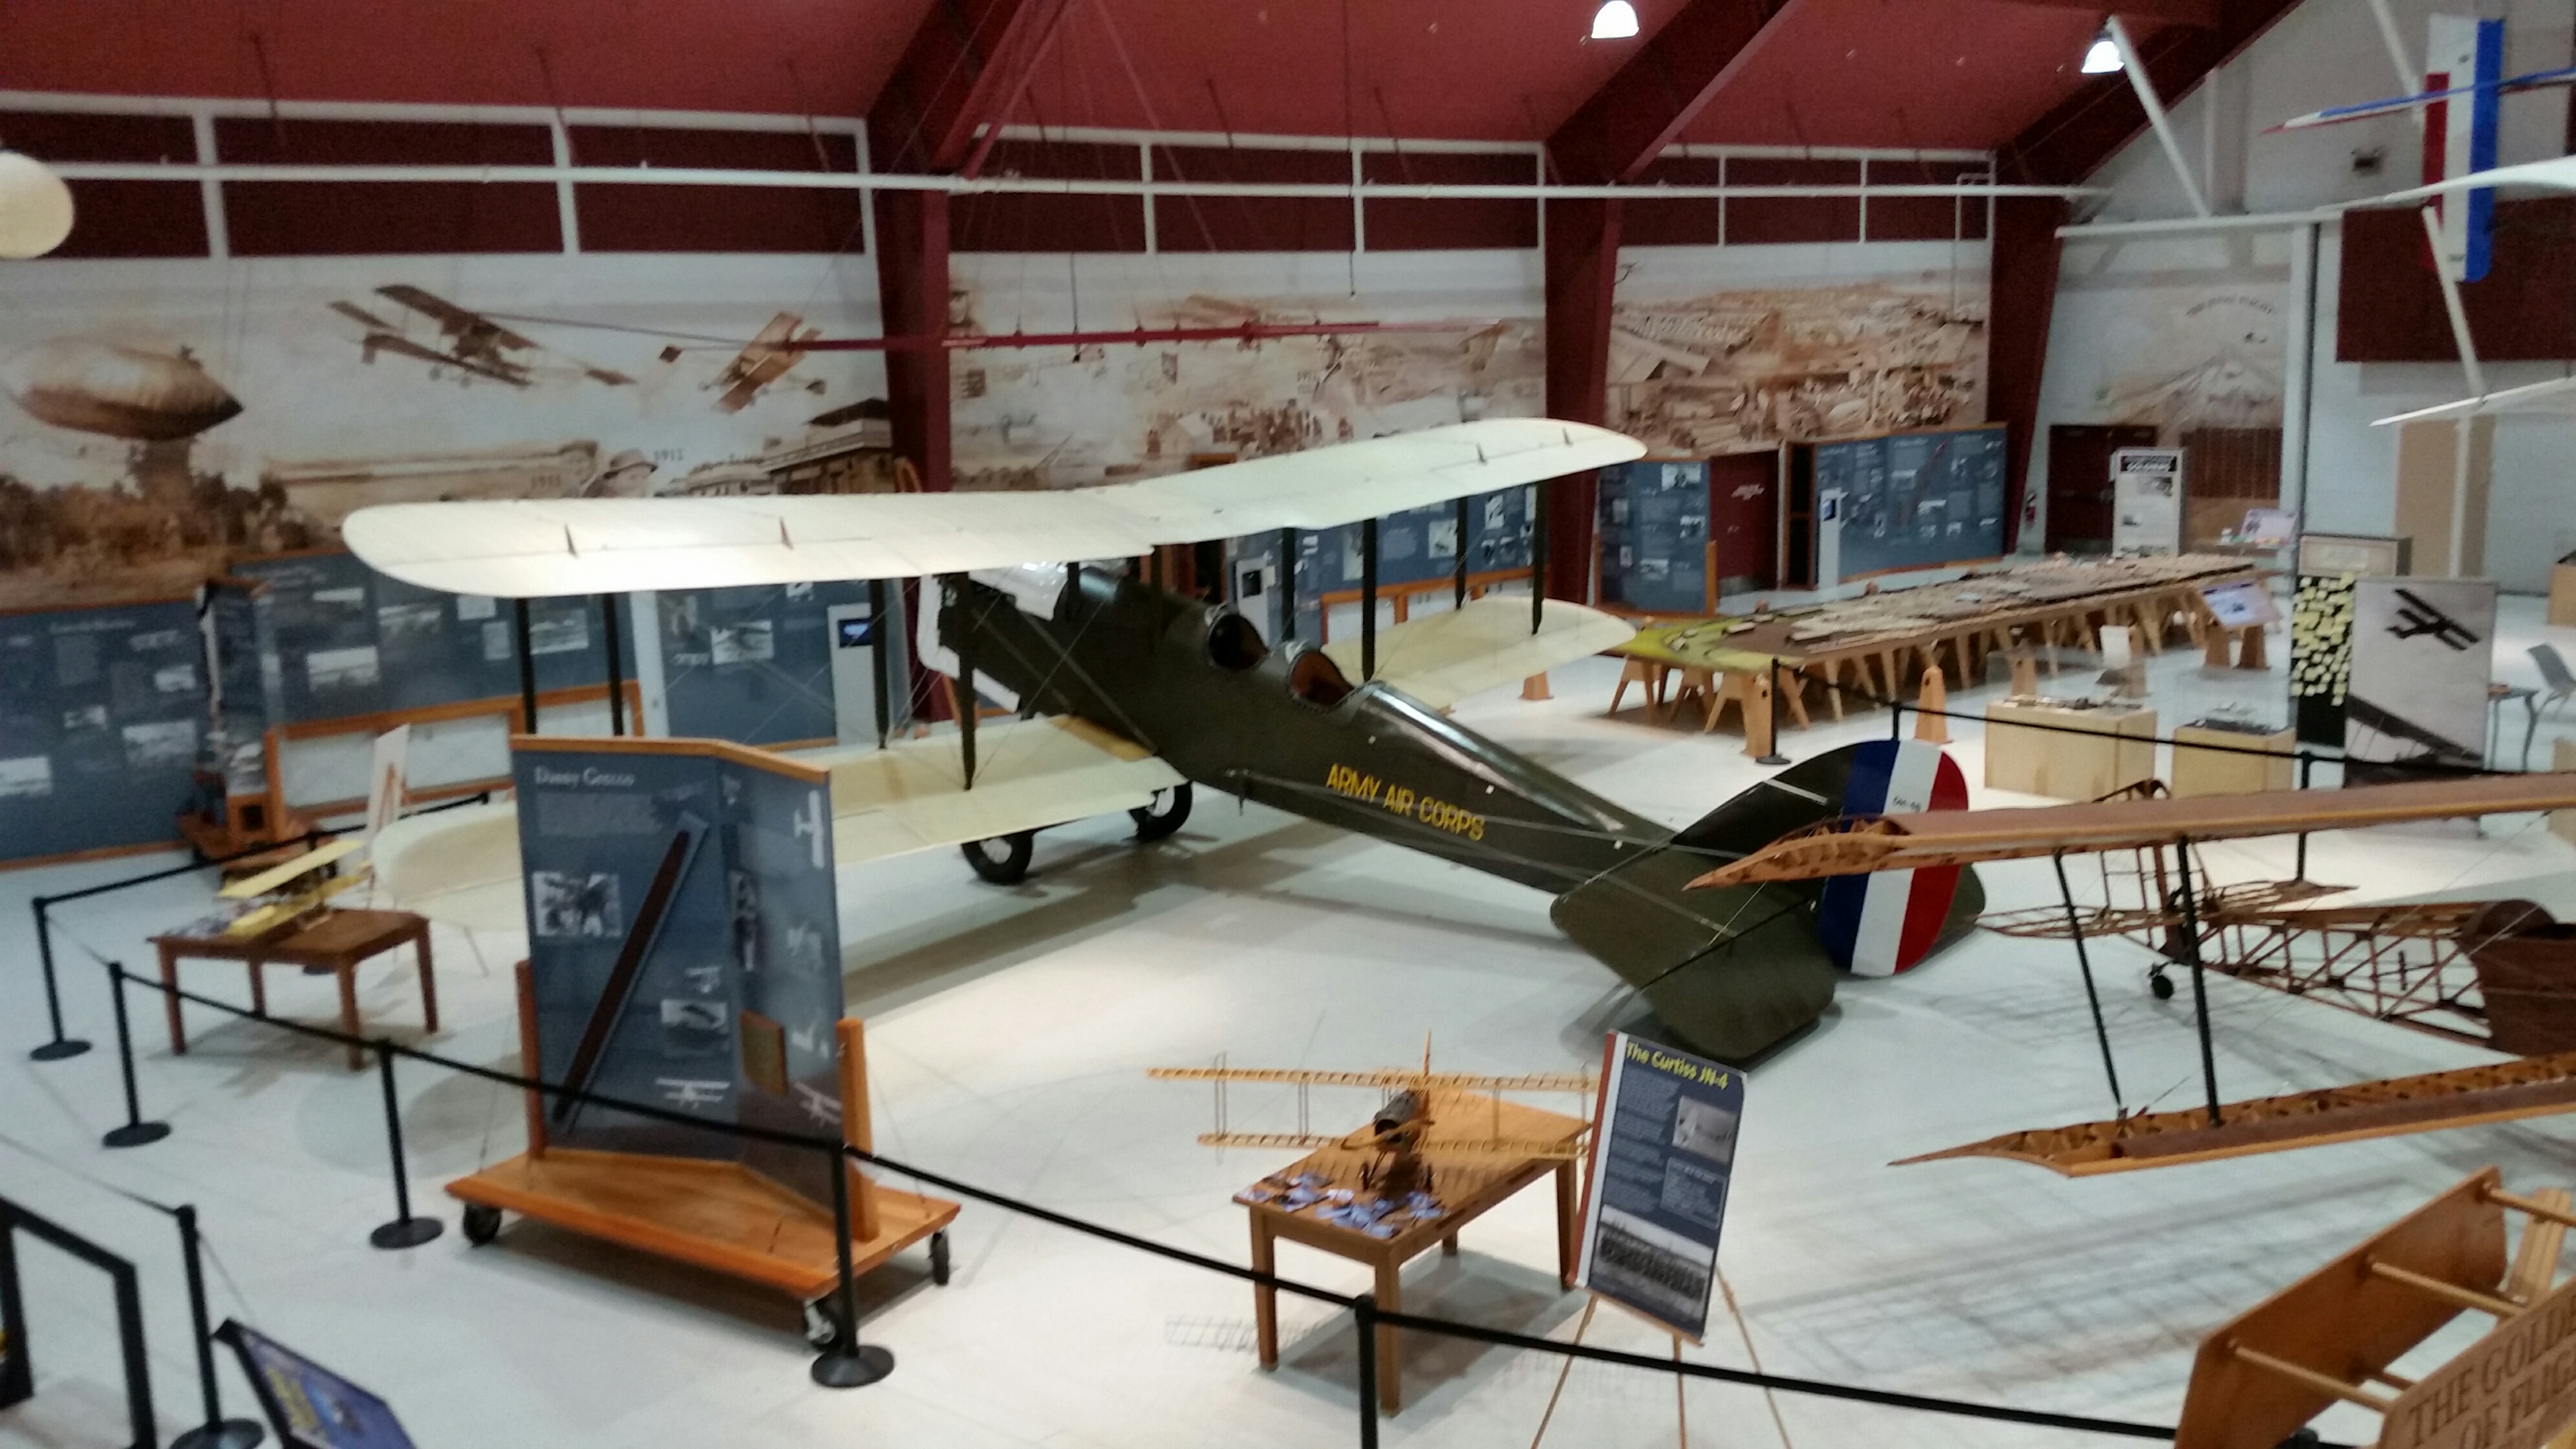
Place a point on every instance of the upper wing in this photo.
(461, 866)
(2364, 110)
(539, 548)
(1441, 659)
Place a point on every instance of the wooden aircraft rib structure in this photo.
(1962, 837)
(1399, 1078)
(1510, 1147)
(2465, 1097)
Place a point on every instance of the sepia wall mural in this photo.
(165, 418)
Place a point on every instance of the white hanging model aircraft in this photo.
(1163, 708)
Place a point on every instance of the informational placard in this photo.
(2513, 1389)
(755, 665)
(102, 718)
(685, 945)
(1654, 537)
(1663, 1156)
(1909, 501)
(1415, 546)
(2245, 604)
(2146, 500)
(2422, 654)
(308, 1405)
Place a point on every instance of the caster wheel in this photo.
(482, 1224)
(939, 1258)
(823, 1325)
(1158, 821)
(2162, 985)
(1004, 859)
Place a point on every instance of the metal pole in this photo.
(2084, 963)
(405, 1231)
(1368, 599)
(1287, 584)
(609, 633)
(136, 1132)
(1364, 1313)
(523, 635)
(217, 1432)
(877, 658)
(17, 1371)
(1538, 553)
(1458, 583)
(2307, 770)
(61, 1046)
(1771, 747)
(847, 1364)
(2199, 977)
(138, 1369)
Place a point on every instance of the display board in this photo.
(1663, 1157)
(308, 1405)
(343, 640)
(102, 713)
(1653, 524)
(2147, 500)
(1908, 501)
(754, 665)
(685, 945)
(1415, 546)
(2422, 654)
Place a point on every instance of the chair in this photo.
(2554, 673)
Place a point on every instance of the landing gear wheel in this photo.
(2161, 984)
(823, 1325)
(482, 1224)
(939, 1257)
(1003, 859)
(1159, 820)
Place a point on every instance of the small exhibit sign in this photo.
(2146, 500)
(2513, 1389)
(309, 1406)
(1663, 1156)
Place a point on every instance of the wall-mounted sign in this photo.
(2146, 500)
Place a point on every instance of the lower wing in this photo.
(1441, 659)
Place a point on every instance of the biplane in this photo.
(769, 356)
(469, 342)
(2498, 974)
(1130, 695)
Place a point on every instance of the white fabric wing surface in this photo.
(539, 548)
(1442, 658)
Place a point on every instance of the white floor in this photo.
(1008, 1036)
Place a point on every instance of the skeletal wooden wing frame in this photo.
(1393, 1079)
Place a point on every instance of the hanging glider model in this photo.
(1130, 695)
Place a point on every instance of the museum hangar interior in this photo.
(1086, 722)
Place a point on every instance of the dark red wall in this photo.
(2524, 311)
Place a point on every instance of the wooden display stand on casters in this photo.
(718, 1215)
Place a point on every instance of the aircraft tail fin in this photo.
(1735, 971)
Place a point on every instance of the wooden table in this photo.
(335, 941)
(2226, 770)
(1468, 1185)
(2116, 747)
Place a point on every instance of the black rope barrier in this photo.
(1382, 1319)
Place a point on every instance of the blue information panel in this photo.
(1415, 546)
(1663, 1156)
(685, 944)
(1654, 537)
(753, 664)
(309, 1406)
(1915, 500)
(102, 713)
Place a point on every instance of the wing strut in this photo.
(1368, 599)
(877, 656)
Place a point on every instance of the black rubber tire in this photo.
(2161, 984)
(1010, 866)
(1163, 823)
(482, 1224)
(823, 1325)
(939, 1258)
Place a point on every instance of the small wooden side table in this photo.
(335, 942)
(2085, 755)
(2229, 769)
(1468, 1186)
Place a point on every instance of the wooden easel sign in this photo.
(1655, 1195)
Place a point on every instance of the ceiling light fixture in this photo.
(2104, 56)
(35, 207)
(1615, 20)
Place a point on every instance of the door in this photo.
(1744, 521)
(2079, 481)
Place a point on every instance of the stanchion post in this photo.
(61, 1046)
(17, 1374)
(2307, 771)
(1771, 749)
(847, 1364)
(217, 1432)
(136, 1132)
(405, 1231)
(1364, 1315)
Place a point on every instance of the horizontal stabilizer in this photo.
(1443, 658)
(538, 548)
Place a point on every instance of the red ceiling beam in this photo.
(2062, 148)
(959, 79)
(1644, 108)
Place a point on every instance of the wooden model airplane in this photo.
(1130, 695)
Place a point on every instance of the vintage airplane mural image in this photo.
(1129, 696)
(469, 343)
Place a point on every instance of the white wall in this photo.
(2114, 297)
